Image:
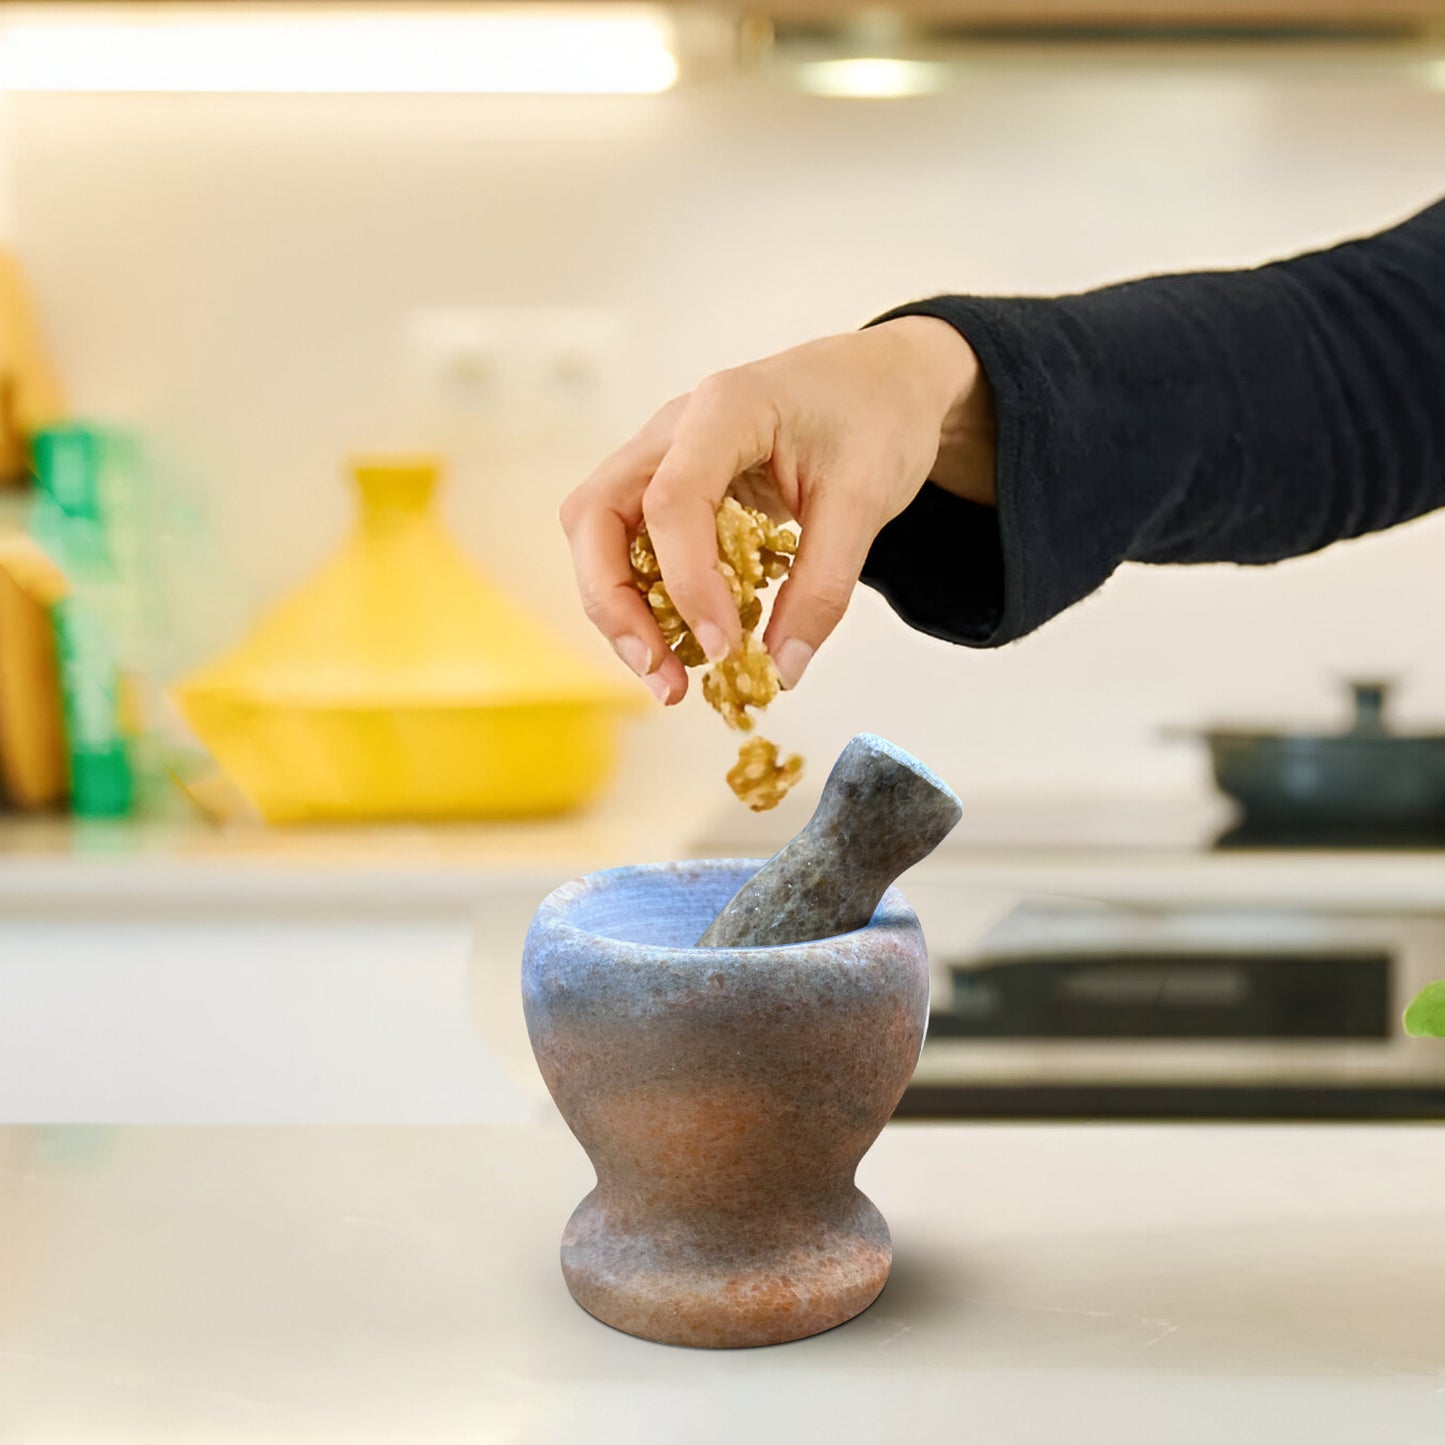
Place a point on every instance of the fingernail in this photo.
(792, 662)
(634, 652)
(658, 687)
(710, 638)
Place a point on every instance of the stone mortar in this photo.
(725, 1098)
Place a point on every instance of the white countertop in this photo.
(1065, 1286)
(147, 867)
(126, 866)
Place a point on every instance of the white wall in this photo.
(237, 274)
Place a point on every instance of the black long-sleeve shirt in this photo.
(1242, 416)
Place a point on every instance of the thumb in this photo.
(837, 533)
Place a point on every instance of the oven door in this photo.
(1066, 1009)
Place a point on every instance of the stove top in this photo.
(1245, 837)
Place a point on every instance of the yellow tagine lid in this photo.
(400, 617)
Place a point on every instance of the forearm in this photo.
(1244, 416)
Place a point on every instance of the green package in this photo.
(70, 521)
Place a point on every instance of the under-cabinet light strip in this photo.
(562, 51)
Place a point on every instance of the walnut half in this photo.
(759, 779)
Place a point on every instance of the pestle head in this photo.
(881, 812)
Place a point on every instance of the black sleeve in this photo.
(1242, 416)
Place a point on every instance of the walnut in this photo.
(644, 562)
(753, 551)
(689, 651)
(665, 614)
(759, 779)
(745, 679)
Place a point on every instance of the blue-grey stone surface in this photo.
(725, 1098)
(881, 812)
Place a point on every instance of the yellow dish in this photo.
(399, 684)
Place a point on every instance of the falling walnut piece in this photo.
(753, 551)
(744, 679)
(759, 779)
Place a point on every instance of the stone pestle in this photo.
(880, 813)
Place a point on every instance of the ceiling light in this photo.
(578, 50)
(872, 77)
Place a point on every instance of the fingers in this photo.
(758, 489)
(726, 427)
(674, 474)
(838, 529)
(599, 519)
(600, 538)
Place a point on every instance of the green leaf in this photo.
(1425, 1018)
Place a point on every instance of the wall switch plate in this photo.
(509, 374)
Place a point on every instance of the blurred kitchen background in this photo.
(258, 243)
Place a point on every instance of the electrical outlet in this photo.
(514, 372)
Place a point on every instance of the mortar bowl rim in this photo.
(893, 915)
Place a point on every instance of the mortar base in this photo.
(679, 1285)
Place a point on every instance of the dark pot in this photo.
(725, 1098)
(1366, 778)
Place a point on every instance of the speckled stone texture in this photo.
(881, 812)
(725, 1098)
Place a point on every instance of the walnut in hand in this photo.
(753, 551)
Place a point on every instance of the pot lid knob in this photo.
(1370, 706)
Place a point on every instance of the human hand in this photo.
(838, 434)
